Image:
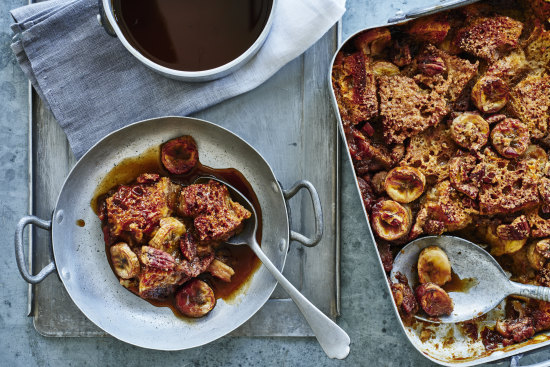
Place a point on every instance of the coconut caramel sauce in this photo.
(192, 35)
(245, 261)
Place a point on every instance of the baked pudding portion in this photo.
(446, 120)
(165, 238)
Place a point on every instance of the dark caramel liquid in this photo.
(191, 35)
(459, 285)
(245, 261)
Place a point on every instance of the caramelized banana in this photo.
(470, 131)
(538, 253)
(433, 266)
(124, 260)
(380, 68)
(168, 235)
(501, 246)
(221, 270)
(405, 184)
(195, 298)
(373, 41)
(490, 94)
(434, 300)
(510, 138)
(536, 159)
(179, 155)
(391, 220)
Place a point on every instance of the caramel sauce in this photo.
(244, 263)
(459, 285)
(192, 35)
(80, 223)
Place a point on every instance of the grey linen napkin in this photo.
(94, 86)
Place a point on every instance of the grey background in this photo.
(374, 331)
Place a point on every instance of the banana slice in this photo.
(405, 184)
(501, 246)
(433, 266)
(195, 298)
(380, 68)
(125, 261)
(510, 138)
(391, 220)
(168, 235)
(538, 253)
(434, 300)
(490, 94)
(179, 155)
(470, 131)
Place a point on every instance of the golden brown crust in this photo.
(216, 216)
(430, 152)
(134, 211)
(506, 186)
(537, 50)
(454, 73)
(530, 101)
(487, 38)
(355, 86)
(406, 110)
(442, 210)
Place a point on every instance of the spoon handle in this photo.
(531, 291)
(334, 341)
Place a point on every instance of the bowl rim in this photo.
(200, 74)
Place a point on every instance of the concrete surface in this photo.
(376, 337)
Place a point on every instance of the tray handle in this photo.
(317, 212)
(20, 255)
(514, 362)
(419, 12)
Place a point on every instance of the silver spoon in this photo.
(469, 261)
(334, 341)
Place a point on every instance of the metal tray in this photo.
(286, 120)
(462, 352)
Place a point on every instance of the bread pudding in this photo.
(446, 119)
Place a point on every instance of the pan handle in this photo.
(514, 362)
(317, 212)
(20, 255)
(103, 21)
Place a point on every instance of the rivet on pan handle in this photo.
(20, 255)
(317, 212)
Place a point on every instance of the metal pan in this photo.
(79, 252)
(462, 351)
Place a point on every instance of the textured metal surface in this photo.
(290, 120)
(462, 351)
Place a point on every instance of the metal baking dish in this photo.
(462, 351)
(79, 255)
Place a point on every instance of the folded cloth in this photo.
(94, 86)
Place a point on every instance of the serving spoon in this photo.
(334, 341)
(489, 283)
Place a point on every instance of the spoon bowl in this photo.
(468, 261)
